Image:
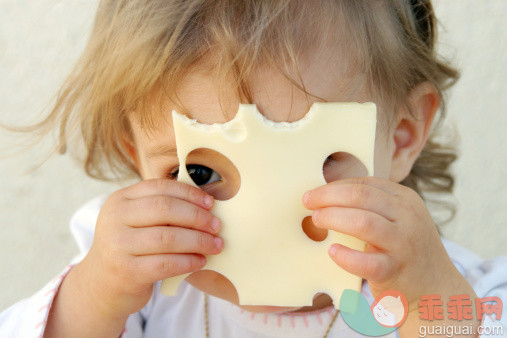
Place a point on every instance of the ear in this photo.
(411, 132)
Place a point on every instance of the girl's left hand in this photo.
(403, 251)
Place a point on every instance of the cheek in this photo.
(382, 159)
(147, 171)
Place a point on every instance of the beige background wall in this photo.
(40, 40)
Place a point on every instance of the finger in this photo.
(368, 265)
(365, 225)
(152, 268)
(388, 186)
(163, 186)
(163, 210)
(350, 195)
(170, 239)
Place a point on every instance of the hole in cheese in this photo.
(228, 185)
(314, 233)
(341, 165)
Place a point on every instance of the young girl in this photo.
(203, 58)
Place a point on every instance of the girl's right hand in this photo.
(149, 231)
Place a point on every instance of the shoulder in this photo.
(486, 276)
(82, 222)
(88, 212)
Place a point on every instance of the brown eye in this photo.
(201, 175)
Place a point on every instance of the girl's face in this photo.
(278, 100)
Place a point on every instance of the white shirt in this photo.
(183, 314)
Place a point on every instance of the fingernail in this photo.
(314, 216)
(218, 242)
(215, 224)
(203, 259)
(332, 250)
(306, 196)
(208, 200)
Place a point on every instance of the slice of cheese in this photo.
(266, 255)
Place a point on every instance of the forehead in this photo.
(327, 76)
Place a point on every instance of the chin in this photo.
(216, 285)
(267, 309)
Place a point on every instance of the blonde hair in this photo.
(139, 50)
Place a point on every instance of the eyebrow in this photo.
(161, 150)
